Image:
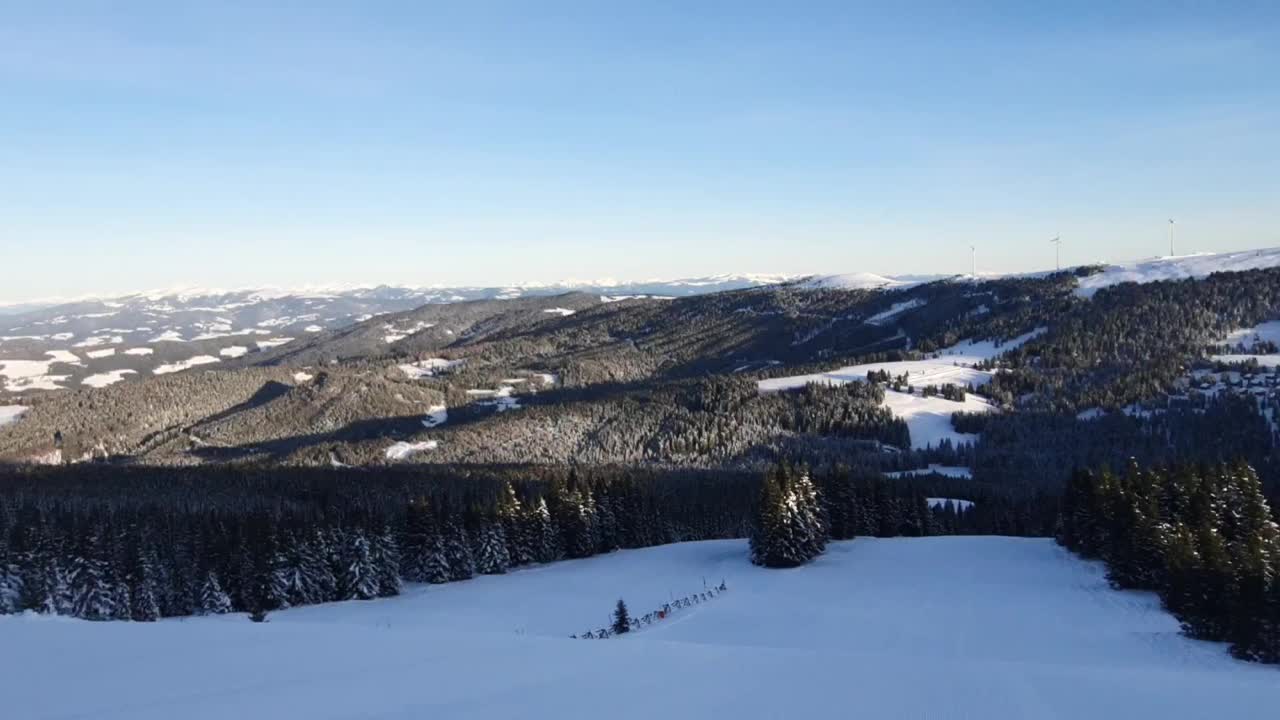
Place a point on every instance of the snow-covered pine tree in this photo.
(490, 547)
(285, 579)
(386, 562)
(213, 599)
(358, 579)
(765, 527)
(94, 597)
(58, 598)
(511, 514)
(10, 587)
(543, 534)
(788, 528)
(436, 560)
(419, 527)
(575, 516)
(457, 551)
(144, 601)
(318, 582)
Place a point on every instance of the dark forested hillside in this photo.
(572, 379)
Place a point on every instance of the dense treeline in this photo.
(799, 511)
(1040, 448)
(103, 542)
(1201, 536)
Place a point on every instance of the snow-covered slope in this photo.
(928, 418)
(905, 628)
(858, 281)
(104, 340)
(1179, 268)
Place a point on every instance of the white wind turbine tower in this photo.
(973, 261)
(1170, 237)
(1057, 251)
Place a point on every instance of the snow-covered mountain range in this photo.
(100, 341)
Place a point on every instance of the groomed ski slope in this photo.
(905, 628)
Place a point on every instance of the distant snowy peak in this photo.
(180, 296)
(857, 281)
(1179, 267)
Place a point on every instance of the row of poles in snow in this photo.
(658, 615)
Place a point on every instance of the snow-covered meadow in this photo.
(946, 627)
(928, 418)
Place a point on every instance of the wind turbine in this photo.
(1057, 251)
(973, 261)
(1170, 237)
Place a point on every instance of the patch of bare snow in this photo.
(428, 368)
(11, 413)
(401, 449)
(273, 342)
(106, 378)
(185, 364)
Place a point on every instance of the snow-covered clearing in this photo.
(396, 334)
(401, 450)
(95, 354)
(951, 365)
(185, 364)
(11, 413)
(274, 342)
(428, 368)
(1178, 267)
(950, 627)
(34, 374)
(106, 378)
(64, 356)
(955, 471)
(1267, 331)
(168, 336)
(96, 340)
(1261, 360)
(233, 351)
(502, 398)
(1248, 337)
(928, 418)
(894, 310)
(562, 312)
(436, 415)
(139, 351)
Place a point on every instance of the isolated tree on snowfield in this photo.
(621, 619)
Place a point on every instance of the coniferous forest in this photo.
(1203, 537)
(108, 543)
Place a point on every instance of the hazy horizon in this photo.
(154, 146)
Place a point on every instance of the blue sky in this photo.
(148, 145)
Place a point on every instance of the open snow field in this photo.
(1178, 267)
(1267, 331)
(928, 418)
(954, 627)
